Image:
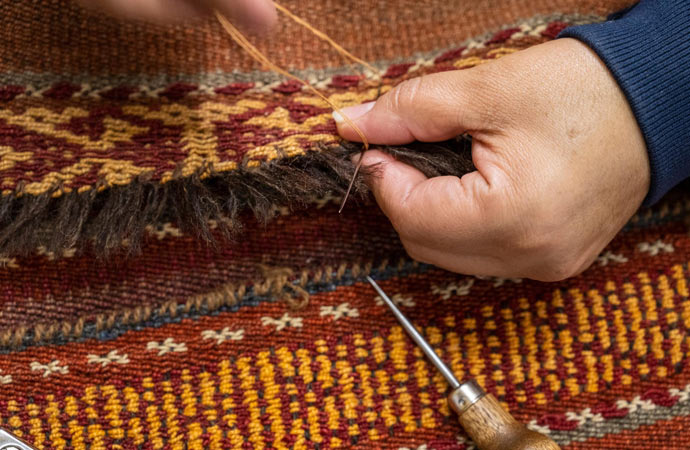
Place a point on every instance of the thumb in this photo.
(253, 15)
(429, 108)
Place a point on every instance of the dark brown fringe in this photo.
(103, 220)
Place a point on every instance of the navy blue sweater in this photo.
(647, 49)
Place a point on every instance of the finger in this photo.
(444, 207)
(466, 263)
(254, 15)
(427, 212)
(425, 207)
(446, 221)
(391, 182)
(429, 108)
(150, 10)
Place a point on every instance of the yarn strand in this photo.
(346, 55)
(256, 54)
(323, 36)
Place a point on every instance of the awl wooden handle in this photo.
(490, 426)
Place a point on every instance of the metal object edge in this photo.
(466, 395)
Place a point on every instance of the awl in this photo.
(485, 421)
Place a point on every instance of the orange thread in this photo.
(255, 53)
(346, 55)
(337, 47)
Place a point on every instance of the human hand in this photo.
(252, 14)
(561, 163)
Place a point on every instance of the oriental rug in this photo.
(175, 273)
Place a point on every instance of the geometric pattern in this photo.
(585, 360)
(274, 339)
(112, 137)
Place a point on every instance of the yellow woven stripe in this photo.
(94, 430)
(228, 405)
(134, 425)
(455, 358)
(367, 396)
(517, 373)
(53, 412)
(421, 373)
(307, 376)
(189, 409)
(35, 427)
(9, 158)
(387, 411)
(251, 402)
(327, 381)
(398, 354)
(45, 121)
(547, 337)
(435, 337)
(152, 416)
(585, 336)
(285, 358)
(272, 398)
(14, 422)
(113, 408)
(175, 438)
(530, 342)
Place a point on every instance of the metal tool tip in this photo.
(373, 283)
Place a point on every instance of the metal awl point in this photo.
(463, 395)
(486, 422)
(418, 338)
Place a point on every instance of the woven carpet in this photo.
(176, 274)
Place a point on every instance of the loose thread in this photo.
(255, 53)
(349, 56)
(260, 57)
(327, 38)
(352, 180)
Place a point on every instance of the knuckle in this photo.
(404, 220)
(484, 88)
(406, 94)
(414, 251)
(557, 258)
(557, 268)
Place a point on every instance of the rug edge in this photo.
(104, 220)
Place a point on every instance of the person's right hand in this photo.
(561, 163)
(251, 14)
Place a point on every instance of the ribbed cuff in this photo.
(648, 52)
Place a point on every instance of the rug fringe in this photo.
(103, 220)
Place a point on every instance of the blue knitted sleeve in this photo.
(647, 49)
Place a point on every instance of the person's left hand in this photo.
(250, 14)
(561, 163)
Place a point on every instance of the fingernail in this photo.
(353, 112)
